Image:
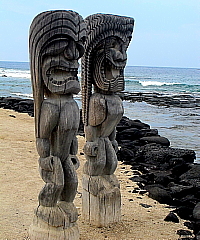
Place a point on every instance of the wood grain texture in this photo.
(40, 230)
(102, 76)
(56, 43)
(101, 200)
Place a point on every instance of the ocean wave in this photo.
(15, 73)
(23, 95)
(31, 95)
(156, 83)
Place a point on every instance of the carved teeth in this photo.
(52, 69)
(62, 82)
(59, 75)
(118, 67)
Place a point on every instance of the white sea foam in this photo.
(15, 73)
(18, 73)
(24, 95)
(155, 83)
(31, 95)
(129, 77)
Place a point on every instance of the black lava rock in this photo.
(171, 217)
(160, 194)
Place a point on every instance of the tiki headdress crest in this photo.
(105, 55)
(55, 45)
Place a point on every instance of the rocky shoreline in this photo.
(159, 99)
(18, 104)
(169, 175)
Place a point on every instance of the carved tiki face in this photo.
(103, 63)
(109, 62)
(60, 65)
(56, 44)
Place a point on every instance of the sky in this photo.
(166, 32)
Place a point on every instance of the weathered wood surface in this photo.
(56, 44)
(103, 75)
(40, 230)
(101, 199)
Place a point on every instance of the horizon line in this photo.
(126, 66)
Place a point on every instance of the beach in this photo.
(21, 183)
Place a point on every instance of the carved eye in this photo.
(126, 43)
(56, 47)
(80, 46)
(112, 43)
(83, 39)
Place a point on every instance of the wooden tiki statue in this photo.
(102, 76)
(56, 43)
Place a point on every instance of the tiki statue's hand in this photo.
(46, 163)
(91, 149)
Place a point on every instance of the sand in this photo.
(20, 184)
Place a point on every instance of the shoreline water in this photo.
(171, 123)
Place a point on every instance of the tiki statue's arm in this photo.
(113, 141)
(43, 148)
(97, 115)
(48, 121)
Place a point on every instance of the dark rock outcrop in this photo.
(196, 211)
(171, 217)
(169, 175)
(18, 105)
(159, 193)
(159, 99)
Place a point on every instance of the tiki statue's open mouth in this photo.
(59, 76)
(112, 72)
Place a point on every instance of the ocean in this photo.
(180, 125)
